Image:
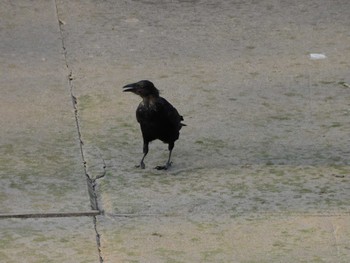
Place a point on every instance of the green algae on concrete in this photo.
(236, 191)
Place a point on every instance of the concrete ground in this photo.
(260, 173)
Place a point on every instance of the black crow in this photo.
(157, 117)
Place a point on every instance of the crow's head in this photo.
(143, 88)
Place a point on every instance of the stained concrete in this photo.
(260, 173)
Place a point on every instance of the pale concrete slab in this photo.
(48, 240)
(267, 127)
(266, 239)
(41, 165)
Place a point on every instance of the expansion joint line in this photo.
(90, 182)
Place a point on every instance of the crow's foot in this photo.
(141, 165)
(163, 167)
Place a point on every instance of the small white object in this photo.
(317, 56)
(132, 20)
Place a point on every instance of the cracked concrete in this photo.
(91, 182)
(260, 174)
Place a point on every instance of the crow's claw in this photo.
(163, 167)
(141, 165)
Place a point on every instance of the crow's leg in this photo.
(168, 163)
(145, 151)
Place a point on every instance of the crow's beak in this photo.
(129, 87)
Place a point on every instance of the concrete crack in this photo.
(91, 182)
(93, 174)
(98, 240)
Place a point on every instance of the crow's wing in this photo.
(159, 121)
(169, 114)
